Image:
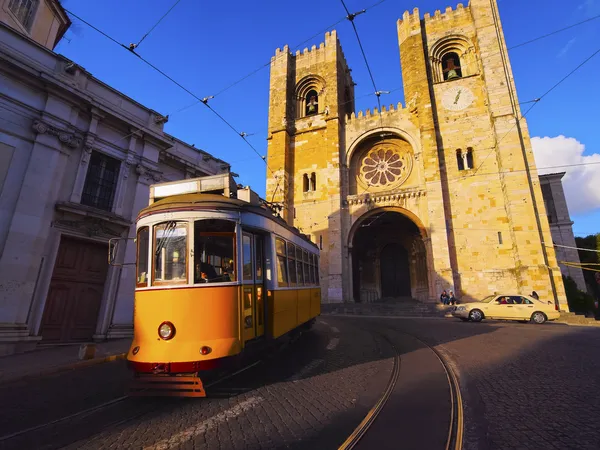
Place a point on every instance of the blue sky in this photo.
(206, 46)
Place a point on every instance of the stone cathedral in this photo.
(405, 201)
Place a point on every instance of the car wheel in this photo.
(538, 317)
(476, 315)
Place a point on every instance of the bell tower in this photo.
(311, 93)
(485, 201)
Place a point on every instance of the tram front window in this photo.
(170, 252)
(214, 244)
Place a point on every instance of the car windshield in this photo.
(488, 299)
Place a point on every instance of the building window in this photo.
(459, 160)
(100, 182)
(464, 160)
(24, 11)
(451, 66)
(309, 183)
(308, 93)
(312, 103)
(469, 158)
(453, 57)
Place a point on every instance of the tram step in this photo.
(167, 386)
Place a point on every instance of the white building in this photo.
(76, 161)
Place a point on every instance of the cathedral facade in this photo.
(406, 201)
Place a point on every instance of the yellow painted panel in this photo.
(285, 312)
(201, 316)
(303, 305)
(315, 302)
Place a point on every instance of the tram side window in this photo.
(299, 266)
(306, 267)
(170, 252)
(282, 278)
(292, 263)
(316, 269)
(214, 244)
(143, 238)
(247, 257)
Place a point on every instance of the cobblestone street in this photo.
(523, 386)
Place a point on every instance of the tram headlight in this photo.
(166, 331)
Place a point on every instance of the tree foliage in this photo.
(591, 242)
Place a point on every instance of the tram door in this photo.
(253, 285)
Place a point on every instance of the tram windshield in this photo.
(214, 251)
(170, 251)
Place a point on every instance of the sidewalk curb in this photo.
(376, 316)
(63, 368)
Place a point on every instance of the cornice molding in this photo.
(68, 138)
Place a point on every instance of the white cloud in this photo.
(581, 183)
(566, 48)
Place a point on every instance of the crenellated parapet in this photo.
(449, 14)
(389, 116)
(411, 23)
(313, 55)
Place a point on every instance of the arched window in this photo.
(451, 66)
(310, 96)
(469, 158)
(305, 183)
(453, 57)
(459, 160)
(312, 103)
(313, 182)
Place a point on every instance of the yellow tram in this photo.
(216, 271)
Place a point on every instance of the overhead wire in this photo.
(204, 100)
(268, 63)
(349, 17)
(554, 32)
(133, 46)
(517, 119)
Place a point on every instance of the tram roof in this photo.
(198, 201)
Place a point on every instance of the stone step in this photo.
(578, 319)
(411, 309)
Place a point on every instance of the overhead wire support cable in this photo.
(202, 100)
(134, 46)
(554, 32)
(536, 102)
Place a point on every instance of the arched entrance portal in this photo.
(395, 274)
(389, 259)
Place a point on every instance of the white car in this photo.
(508, 307)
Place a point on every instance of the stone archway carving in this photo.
(389, 226)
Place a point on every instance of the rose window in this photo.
(385, 167)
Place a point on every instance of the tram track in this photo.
(454, 439)
(106, 405)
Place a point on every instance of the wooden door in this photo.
(76, 288)
(395, 274)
